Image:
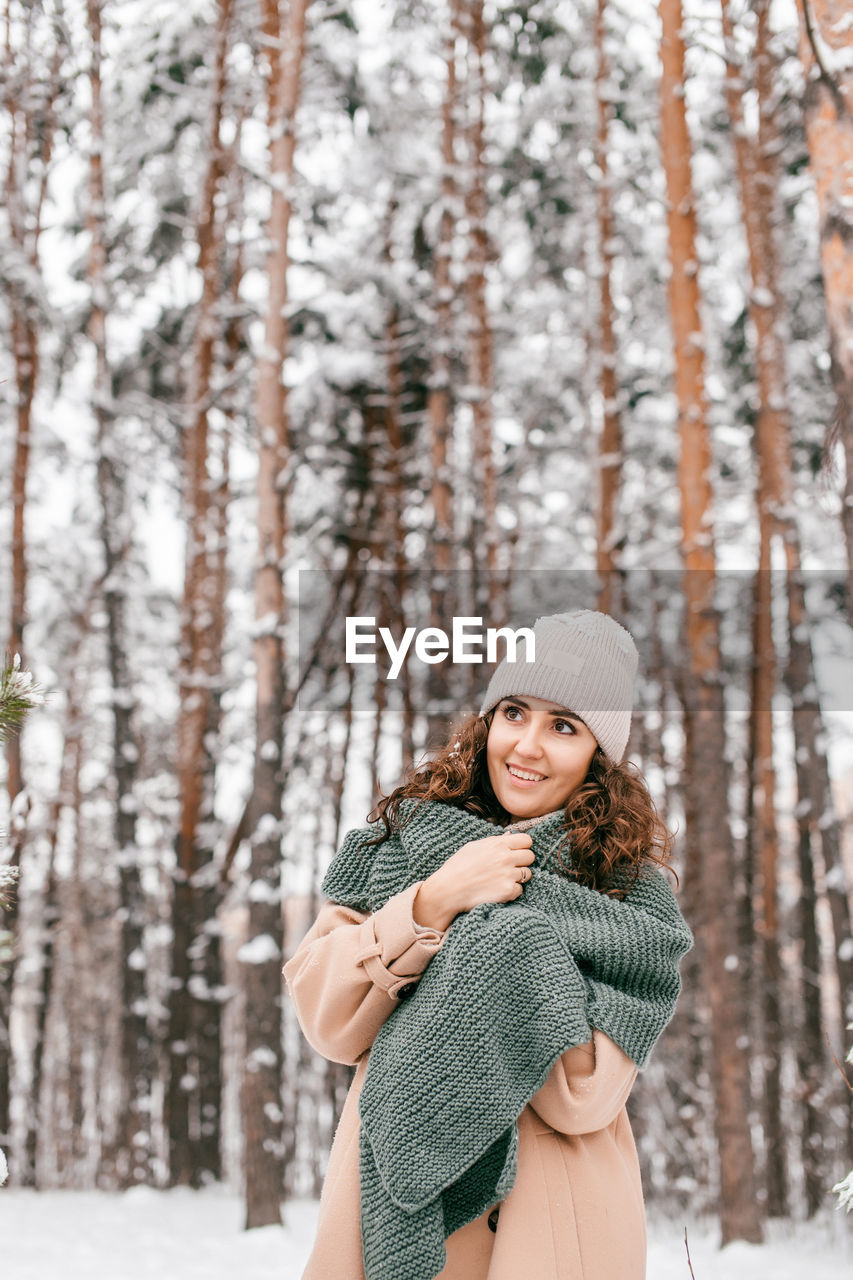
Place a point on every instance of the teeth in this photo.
(527, 777)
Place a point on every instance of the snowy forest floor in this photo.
(192, 1235)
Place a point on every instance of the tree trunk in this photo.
(755, 180)
(49, 929)
(132, 1153)
(439, 396)
(706, 767)
(66, 1104)
(71, 1151)
(31, 125)
(811, 1049)
(25, 355)
(439, 399)
(758, 181)
(25, 351)
(817, 804)
(484, 531)
(208, 958)
(824, 49)
(338, 1076)
(829, 129)
(195, 1013)
(261, 1100)
(394, 458)
(610, 439)
(765, 842)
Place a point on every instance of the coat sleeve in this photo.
(587, 1087)
(351, 970)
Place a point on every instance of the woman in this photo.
(497, 958)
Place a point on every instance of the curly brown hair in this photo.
(612, 825)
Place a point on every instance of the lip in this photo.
(524, 783)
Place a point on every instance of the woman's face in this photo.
(537, 755)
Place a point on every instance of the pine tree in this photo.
(824, 49)
(262, 1069)
(193, 1102)
(711, 843)
(18, 695)
(610, 438)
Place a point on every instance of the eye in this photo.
(565, 727)
(510, 712)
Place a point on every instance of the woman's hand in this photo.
(487, 870)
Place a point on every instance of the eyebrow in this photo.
(560, 712)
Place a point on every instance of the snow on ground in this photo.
(145, 1234)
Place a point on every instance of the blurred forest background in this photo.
(408, 311)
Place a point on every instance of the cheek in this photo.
(498, 745)
(586, 759)
(576, 763)
(494, 749)
(496, 741)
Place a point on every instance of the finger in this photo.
(524, 857)
(518, 839)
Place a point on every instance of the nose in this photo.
(529, 741)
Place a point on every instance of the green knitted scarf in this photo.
(513, 986)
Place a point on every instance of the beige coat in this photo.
(576, 1209)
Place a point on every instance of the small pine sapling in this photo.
(18, 695)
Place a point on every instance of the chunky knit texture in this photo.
(585, 662)
(513, 987)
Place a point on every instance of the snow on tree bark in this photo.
(483, 533)
(32, 87)
(394, 584)
(757, 173)
(132, 1152)
(440, 394)
(755, 181)
(193, 1104)
(610, 439)
(707, 781)
(18, 694)
(262, 1083)
(825, 53)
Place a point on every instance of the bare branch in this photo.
(687, 1247)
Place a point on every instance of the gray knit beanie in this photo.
(585, 662)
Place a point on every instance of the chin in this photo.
(521, 809)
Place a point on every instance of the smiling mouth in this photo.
(524, 775)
